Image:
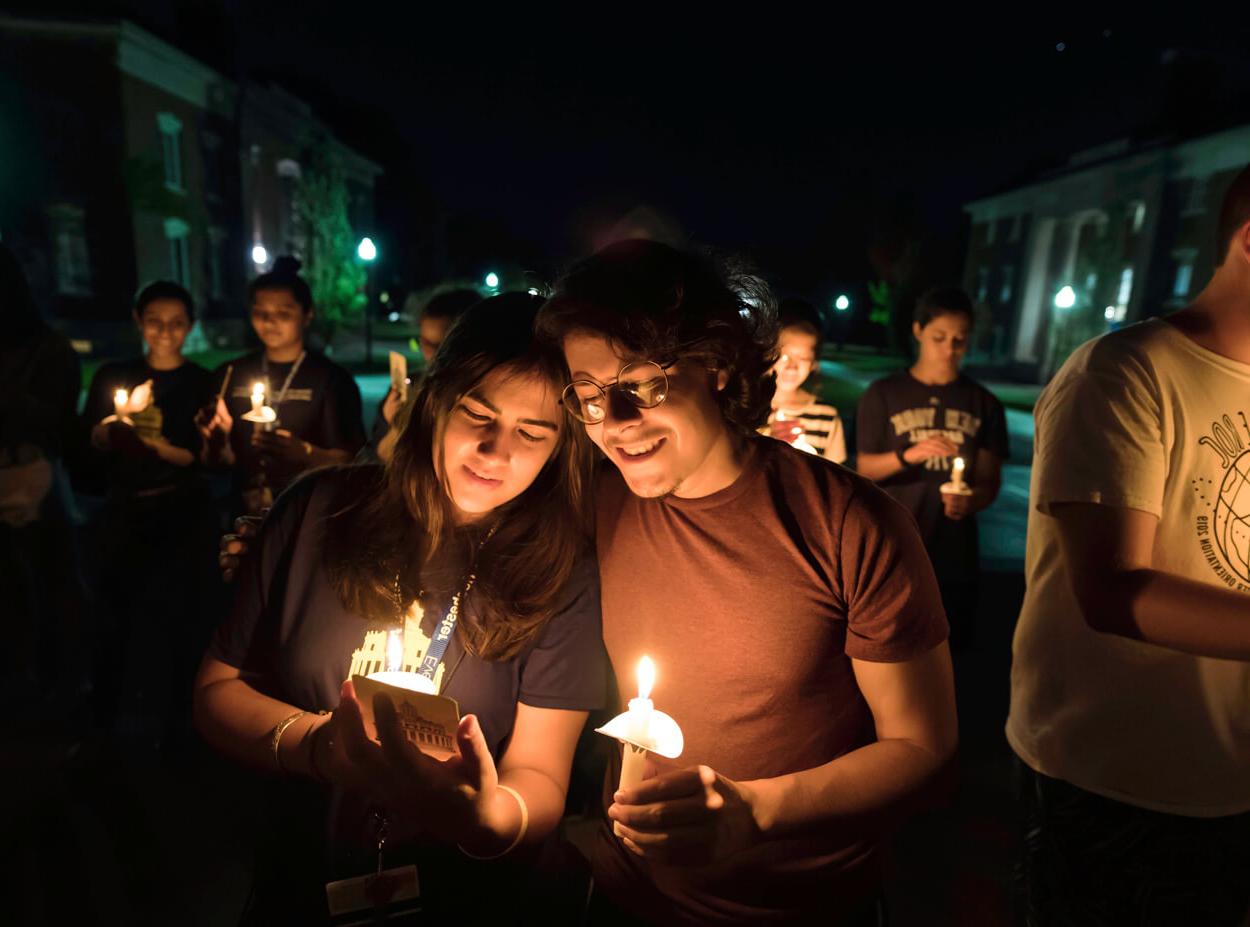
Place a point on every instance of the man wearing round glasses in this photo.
(788, 604)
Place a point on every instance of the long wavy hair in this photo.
(654, 301)
(396, 524)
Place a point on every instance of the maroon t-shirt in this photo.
(752, 603)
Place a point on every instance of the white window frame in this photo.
(178, 235)
(170, 128)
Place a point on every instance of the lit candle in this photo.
(642, 729)
(957, 474)
(120, 398)
(394, 674)
(260, 413)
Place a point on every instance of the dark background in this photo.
(810, 142)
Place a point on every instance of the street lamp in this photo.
(260, 257)
(1065, 298)
(367, 251)
(492, 280)
(842, 303)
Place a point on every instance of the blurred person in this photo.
(798, 417)
(1129, 678)
(317, 401)
(912, 425)
(478, 520)
(40, 583)
(438, 315)
(155, 536)
(787, 602)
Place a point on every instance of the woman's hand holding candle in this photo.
(457, 800)
(689, 817)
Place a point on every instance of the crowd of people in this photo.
(641, 464)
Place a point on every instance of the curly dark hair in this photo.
(655, 301)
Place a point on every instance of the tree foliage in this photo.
(331, 267)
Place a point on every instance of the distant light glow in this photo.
(1065, 298)
(393, 317)
(492, 279)
(367, 250)
(260, 257)
(1062, 46)
(1109, 313)
(842, 303)
(384, 298)
(533, 291)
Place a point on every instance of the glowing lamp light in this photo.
(366, 250)
(842, 303)
(1109, 313)
(492, 280)
(260, 257)
(533, 291)
(1065, 298)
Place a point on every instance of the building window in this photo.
(1007, 289)
(212, 163)
(1137, 216)
(1017, 221)
(177, 234)
(990, 228)
(1180, 286)
(983, 283)
(170, 128)
(69, 239)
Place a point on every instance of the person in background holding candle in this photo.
(787, 602)
(156, 532)
(912, 425)
(1131, 659)
(439, 314)
(316, 400)
(798, 416)
(486, 489)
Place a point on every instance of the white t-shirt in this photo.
(1146, 419)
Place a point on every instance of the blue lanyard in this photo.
(442, 635)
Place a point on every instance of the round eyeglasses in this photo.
(644, 385)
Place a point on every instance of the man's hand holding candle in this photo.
(214, 423)
(691, 817)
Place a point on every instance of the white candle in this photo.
(957, 474)
(642, 729)
(634, 757)
(258, 397)
(120, 398)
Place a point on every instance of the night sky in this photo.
(801, 141)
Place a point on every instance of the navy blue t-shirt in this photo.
(289, 628)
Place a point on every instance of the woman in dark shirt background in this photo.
(484, 504)
(154, 535)
(317, 401)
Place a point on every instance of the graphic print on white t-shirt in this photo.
(1224, 531)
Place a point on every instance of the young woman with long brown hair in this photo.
(481, 512)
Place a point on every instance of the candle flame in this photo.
(258, 391)
(394, 651)
(646, 677)
(959, 463)
(121, 397)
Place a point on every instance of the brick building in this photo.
(126, 160)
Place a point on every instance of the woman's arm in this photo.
(239, 720)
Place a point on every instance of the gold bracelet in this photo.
(275, 737)
(525, 824)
